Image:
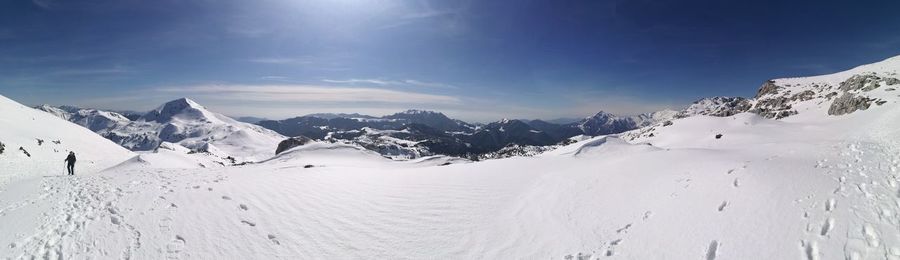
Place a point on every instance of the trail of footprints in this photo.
(711, 250)
(875, 212)
(243, 207)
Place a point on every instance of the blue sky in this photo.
(474, 60)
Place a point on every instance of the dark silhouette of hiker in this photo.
(70, 160)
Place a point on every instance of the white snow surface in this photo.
(22, 126)
(810, 186)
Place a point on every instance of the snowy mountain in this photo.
(604, 123)
(413, 133)
(433, 119)
(180, 121)
(34, 144)
(93, 119)
(819, 182)
(834, 94)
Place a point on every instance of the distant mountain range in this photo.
(413, 133)
(417, 133)
(403, 135)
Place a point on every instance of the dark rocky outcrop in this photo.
(292, 142)
(891, 81)
(849, 103)
(2, 147)
(860, 82)
(779, 107)
(716, 106)
(767, 88)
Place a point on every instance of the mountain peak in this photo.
(183, 102)
(176, 107)
(602, 113)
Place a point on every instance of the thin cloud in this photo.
(382, 82)
(358, 81)
(90, 72)
(43, 4)
(310, 94)
(276, 60)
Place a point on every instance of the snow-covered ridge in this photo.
(36, 143)
(182, 121)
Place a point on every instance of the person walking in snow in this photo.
(70, 160)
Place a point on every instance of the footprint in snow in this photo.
(624, 229)
(248, 223)
(827, 226)
(712, 250)
(244, 207)
(723, 205)
(226, 198)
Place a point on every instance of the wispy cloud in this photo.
(384, 82)
(278, 60)
(44, 4)
(91, 72)
(274, 78)
(310, 94)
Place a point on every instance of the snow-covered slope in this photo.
(745, 186)
(835, 94)
(180, 121)
(765, 190)
(35, 144)
(93, 119)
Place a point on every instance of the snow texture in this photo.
(808, 186)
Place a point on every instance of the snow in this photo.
(810, 186)
(181, 121)
(23, 127)
(755, 193)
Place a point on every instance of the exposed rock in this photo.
(292, 142)
(515, 150)
(716, 106)
(767, 88)
(667, 123)
(718, 136)
(804, 96)
(2, 147)
(891, 81)
(880, 102)
(831, 95)
(24, 151)
(785, 113)
(861, 82)
(781, 106)
(849, 103)
(890, 89)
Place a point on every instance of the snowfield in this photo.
(809, 186)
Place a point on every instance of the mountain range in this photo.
(417, 133)
(181, 121)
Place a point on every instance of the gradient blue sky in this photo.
(474, 60)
